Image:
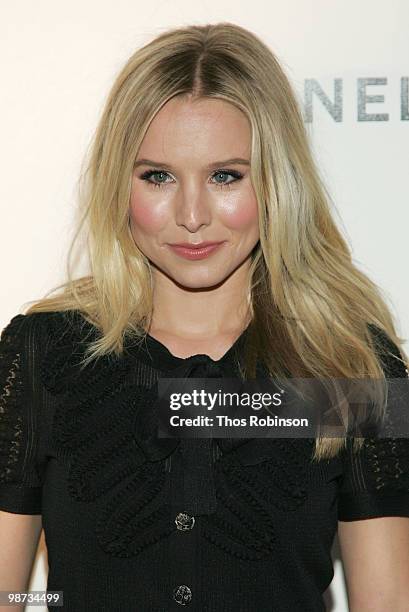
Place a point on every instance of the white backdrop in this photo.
(348, 61)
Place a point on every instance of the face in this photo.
(185, 191)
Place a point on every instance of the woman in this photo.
(201, 141)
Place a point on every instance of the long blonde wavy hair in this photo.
(309, 302)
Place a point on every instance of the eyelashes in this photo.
(146, 176)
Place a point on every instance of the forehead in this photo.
(198, 130)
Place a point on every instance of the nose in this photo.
(193, 208)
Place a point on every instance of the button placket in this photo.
(193, 490)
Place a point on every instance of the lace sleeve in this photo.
(21, 478)
(376, 479)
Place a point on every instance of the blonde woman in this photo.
(213, 253)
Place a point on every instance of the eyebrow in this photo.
(216, 164)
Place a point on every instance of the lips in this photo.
(199, 245)
(195, 251)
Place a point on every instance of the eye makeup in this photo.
(148, 174)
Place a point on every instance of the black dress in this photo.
(134, 522)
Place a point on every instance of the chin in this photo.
(198, 279)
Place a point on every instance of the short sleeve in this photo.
(375, 480)
(21, 477)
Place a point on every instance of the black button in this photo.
(184, 521)
(182, 595)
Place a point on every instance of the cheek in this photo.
(145, 215)
(241, 213)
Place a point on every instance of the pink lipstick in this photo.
(195, 251)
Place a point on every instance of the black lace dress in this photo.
(134, 522)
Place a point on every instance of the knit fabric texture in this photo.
(137, 522)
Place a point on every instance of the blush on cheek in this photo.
(241, 214)
(147, 218)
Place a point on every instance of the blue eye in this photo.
(236, 175)
(146, 176)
